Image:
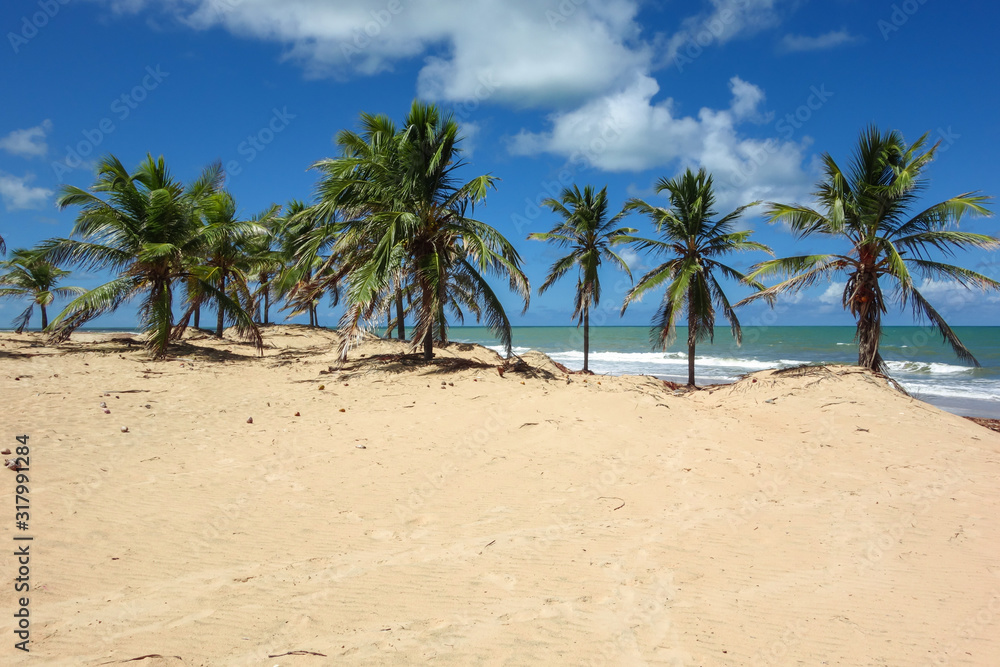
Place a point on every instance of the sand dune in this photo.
(394, 512)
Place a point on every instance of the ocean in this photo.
(917, 357)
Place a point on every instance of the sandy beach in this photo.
(286, 510)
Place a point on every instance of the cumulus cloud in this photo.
(832, 39)
(29, 142)
(17, 193)
(833, 295)
(530, 53)
(588, 62)
(627, 131)
(724, 21)
(949, 295)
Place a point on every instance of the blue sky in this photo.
(548, 93)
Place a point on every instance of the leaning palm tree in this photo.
(27, 274)
(692, 240)
(586, 229)
(869, 207)
(408, 223)
(145, 229)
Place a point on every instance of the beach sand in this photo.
(802, 518)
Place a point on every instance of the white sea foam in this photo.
(927, 368)
(930, 379)
(985, 391)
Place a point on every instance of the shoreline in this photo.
(962, 406)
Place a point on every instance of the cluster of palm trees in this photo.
(391, 232)
(391, 226)
(867, 209)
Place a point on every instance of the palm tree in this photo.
(267, 261)
(29, 275)
(304, 234)
(869, 207)
(408, 223)
(692, 240)
(227, 263)
(146, 230)
(589, 233)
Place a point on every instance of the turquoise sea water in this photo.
(916, 356)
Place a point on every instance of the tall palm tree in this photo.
(586, 229)
(145, 229)
(27, 274)
(408, 222)
(871, 208)
(692, 240)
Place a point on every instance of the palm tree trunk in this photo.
(429, 344)
(197, 316)
(267, 304)
(162, 316)
(429, 314)
(400, 325)
(868, 333)
(866, 305)
(692, 337)
(586, 338)
(219, 324)
(45, 317)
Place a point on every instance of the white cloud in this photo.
(832, 39)
(949, 295)
(470, 132)
(29, 142)
(746, 98)
(627, 131)
(590, 61)
(726, 20)
(527, 53)
(635, 262)
(834, 295)
(18, 194)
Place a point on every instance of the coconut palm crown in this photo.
(407, 222)
(27, 274)
(873, 206)
(692, 240)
